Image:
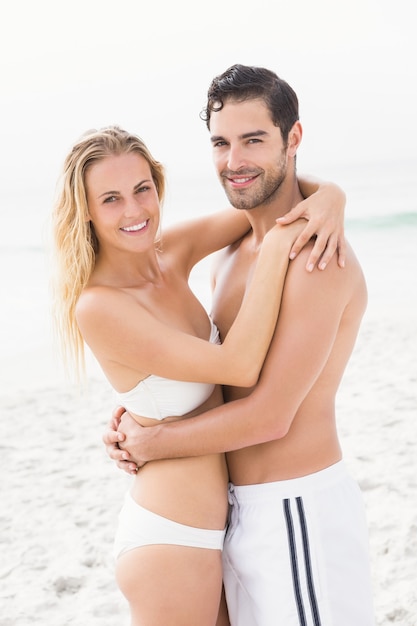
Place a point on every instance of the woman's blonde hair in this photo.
(75, 242)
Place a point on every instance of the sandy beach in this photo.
(61, 494)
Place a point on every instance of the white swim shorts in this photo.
(139, 527)
(296, 553)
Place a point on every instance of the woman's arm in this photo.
(125, 336)
(323, 208)
(193, 240)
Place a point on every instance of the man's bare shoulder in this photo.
(332, 271)
(331, 289)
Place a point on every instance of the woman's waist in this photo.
(191, 491)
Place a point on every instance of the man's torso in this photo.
(311, 443)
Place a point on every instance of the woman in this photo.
(123, 289)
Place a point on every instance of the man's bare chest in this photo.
(231, 281)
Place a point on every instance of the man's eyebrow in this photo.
(215, 138)
(252, 133)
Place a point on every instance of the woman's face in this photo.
(123, 202)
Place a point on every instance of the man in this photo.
(296, 547)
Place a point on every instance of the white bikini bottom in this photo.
(139, 527)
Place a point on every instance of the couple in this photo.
(295, 547)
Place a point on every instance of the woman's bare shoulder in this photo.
(97, 300)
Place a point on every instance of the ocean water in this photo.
(381, 224)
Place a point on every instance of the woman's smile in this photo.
(135, 227)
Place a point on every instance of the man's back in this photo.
(316, 332)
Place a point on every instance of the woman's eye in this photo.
(110, 199)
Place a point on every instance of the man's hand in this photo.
(325, 221)
(134, 439)
(114, 438)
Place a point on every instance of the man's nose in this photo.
(235, 158)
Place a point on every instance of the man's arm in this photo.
(312, 309)
(112, 438)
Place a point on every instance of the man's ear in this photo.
(294, 138)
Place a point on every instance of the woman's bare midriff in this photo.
(190, 490)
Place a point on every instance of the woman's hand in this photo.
(324, 211)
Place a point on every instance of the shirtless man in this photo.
(296, 550)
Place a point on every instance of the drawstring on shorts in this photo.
(233, 513)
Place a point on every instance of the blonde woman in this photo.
(122, 288)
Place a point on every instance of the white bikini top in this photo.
(158, 398)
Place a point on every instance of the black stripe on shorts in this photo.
(295, 552)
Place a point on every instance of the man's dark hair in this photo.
(243, 82)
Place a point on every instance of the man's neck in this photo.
(263, 217)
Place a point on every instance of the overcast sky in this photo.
(69, 66)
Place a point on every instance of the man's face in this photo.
(249, 154)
